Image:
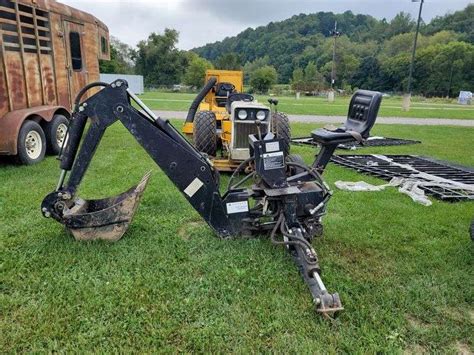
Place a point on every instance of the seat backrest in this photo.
(237, 97)
(225, 89)
(363, 110)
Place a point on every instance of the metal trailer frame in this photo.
(370, 142)
(371, 165)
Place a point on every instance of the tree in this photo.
(263, 79)
(229, 61)
(394, 72)
(297, 82)
(401, 23)
(121, 58)
(250, 67)
(313, 79)
(301, 39)
(445, 69)
(196, 70)
(461, 22)
(367, 75)
(159, 61)
(400, 43)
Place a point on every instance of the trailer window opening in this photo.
(76, 55)
(26, 19)
(9, 27)
(7, 3)
(7, 15)
(26, 9)
(104, 46)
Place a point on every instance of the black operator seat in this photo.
(363, 110)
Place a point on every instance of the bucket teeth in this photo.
(104, 219)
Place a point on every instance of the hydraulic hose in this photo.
(83, 91)
(194, 106)
(76, 129)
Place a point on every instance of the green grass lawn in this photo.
(391, 107)
(404, 271)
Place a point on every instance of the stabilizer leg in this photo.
(306, 259)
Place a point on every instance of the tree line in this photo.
(370, 53)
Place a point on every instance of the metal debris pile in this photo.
(415, 176)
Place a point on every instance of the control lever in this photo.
(273, 104)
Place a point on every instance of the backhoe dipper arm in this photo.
(182, 163)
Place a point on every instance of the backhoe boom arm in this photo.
(190, 172)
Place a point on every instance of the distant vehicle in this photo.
(49, 51)
(465, 98)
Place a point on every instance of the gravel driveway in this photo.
(340, 119)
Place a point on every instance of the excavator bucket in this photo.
(105, 219)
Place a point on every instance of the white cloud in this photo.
(203, 21)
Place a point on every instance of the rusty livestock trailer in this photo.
(48, 52)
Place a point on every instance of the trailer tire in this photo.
(55, 132)
(281, 129)
(205, 132)
(31, 143)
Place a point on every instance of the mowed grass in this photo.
(391, 106)
(404, 271)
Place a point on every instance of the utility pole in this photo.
(334, 33)
(407, 98)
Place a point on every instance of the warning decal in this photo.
(237, 207)
(273, 161)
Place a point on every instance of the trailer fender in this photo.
(11, 123)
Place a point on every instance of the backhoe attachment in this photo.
(280, 195)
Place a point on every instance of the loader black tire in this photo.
(205, 132)
(55, 132)
(281, 129)
(31, 146)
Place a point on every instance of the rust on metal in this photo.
(12, 121)
(36, 65)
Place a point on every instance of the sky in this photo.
(204, 21)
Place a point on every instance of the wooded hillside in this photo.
(370, 53)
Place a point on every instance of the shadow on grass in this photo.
(7, 160)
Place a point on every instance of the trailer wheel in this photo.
(205, 132)
(31, 143)
(55, 132)
(281, 128)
